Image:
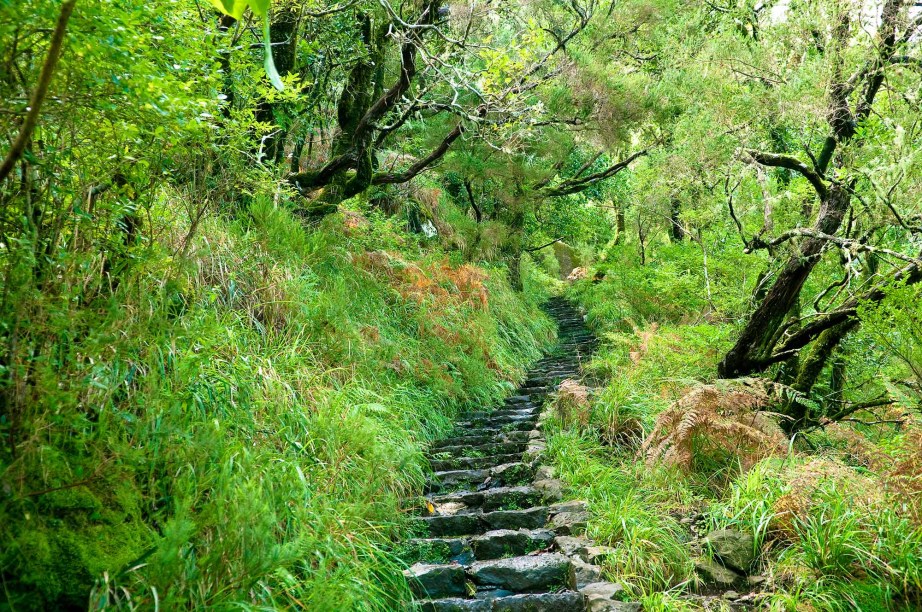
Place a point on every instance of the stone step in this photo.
(534, 573)
(452, 479)
(502, 419)
(519, 410)
(507, 542)
(436, 580)
(531, 518)
(476, 523)
(523, 574)
(479, 439)
(482, 450)
(506, 474)
(492, 431)
(500, 498)
(452, 525)
(438, 550)
(473, 463)
(566, 601)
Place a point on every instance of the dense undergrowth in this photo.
(235, 429)
(835, 517)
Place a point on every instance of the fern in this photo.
(715, 420)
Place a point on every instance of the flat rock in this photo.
(614, 606)
(603, 597)
(455, 478)
(569, 523)
(571, 545)
(551, 489)
(460, 463)
(735, 549)
(512, 474)
(568, 601)
(465, 440)
(506, 542)
(715, 574)
(595, 554)
(544, 572)
(427, 580)
(586, 573)
(465, 498)
(511, 498)
(440, 550)
(455, 605)
(457, 525)
(532, 518)
(576, 505)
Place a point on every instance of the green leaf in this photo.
(269, 64)
(236, 8)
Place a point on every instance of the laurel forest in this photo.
(258, 258)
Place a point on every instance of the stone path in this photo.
(493, 535)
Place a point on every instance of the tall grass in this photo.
(835, 522)
(237, 429)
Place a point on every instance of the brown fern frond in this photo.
(715, 418)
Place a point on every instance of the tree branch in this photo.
(387, 178)
(576, 184)
(543, 246)
(41, 90)
(911, 274)
(848, 243)
(791, 163)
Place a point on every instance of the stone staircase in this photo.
(493, 535)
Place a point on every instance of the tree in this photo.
(834, 180)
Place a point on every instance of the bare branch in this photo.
(791, 163)
(847, 243)
(576, 184)
(422, 164)
(41, 90)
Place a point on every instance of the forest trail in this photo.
(493, 535)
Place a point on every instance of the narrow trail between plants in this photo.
(493, 535)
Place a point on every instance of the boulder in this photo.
(602, 597)
(567, 601)
(595, 554)
(455, 605)
(734, 549)
(586, 573)
(570, 545)
(569, 523)
(714, 574)
(533, 518)
(551, 489)
(506, 542)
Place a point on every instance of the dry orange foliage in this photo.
(805, 480)
(710, 418)
(571, 403)
(438, 283)
(900, 471)
(903, 479)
